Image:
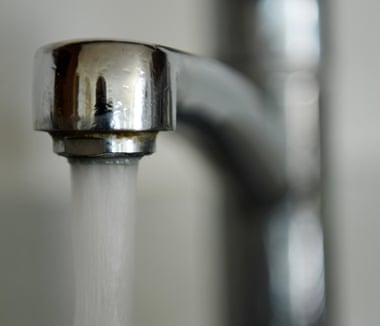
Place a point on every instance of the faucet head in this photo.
(103, 98)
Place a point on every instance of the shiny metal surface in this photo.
(118, 94)
(103, 86)
(277, 44)
(105, 144)
(110, 98)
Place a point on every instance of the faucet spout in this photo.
(103, 98)
(109, 99)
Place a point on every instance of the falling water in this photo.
(103, 236)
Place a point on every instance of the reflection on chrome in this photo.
(277, 43)
(306, 262)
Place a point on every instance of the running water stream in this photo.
(103, 236)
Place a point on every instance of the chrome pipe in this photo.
(107, 99)
(277, 44)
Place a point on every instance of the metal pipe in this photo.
(277, 44)
(110, 98)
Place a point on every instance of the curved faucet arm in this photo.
(223, 105)
(110, 98)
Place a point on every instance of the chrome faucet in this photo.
(107, 100)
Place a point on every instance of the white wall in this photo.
(355, 158)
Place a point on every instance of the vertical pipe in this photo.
(277, 44)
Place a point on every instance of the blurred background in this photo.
(172, 289)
